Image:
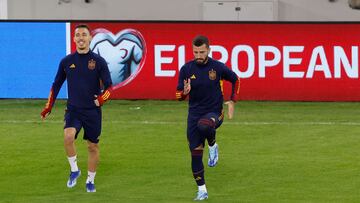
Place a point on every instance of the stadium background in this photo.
(276, 61)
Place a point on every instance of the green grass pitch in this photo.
(270, 152)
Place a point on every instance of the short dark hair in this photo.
(83, 26)
(200, 40)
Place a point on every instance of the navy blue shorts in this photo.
(88, 119)
(193, 136)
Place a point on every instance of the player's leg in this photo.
(93, 149)
(93, 160)
(207, 125)
(69, 141)
(71, 128)
(198, 172)
(196, 145)
(92, 131)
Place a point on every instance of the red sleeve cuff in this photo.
(180, 95)
(105, 96)
(50, 101)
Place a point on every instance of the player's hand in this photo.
(231, 109)
(96, 101)
(102, 98)
(44, 113)
(187, 86)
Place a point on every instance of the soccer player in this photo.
(85, 72)
(201, 79)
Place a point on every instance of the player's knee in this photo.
(69, 135)
(205, 125)
(93, 147)
(69, 138)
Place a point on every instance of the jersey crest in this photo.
(212, 74)
(72, 66)
(92, 64)
(193, 77)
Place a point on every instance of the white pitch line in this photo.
(257, 123)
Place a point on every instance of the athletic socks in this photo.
(202, 188)
(74, 167)
(197, 166)
(91, 177)
(73, 163)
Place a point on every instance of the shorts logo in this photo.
(212, 74)
(124, 52)
(92, 64)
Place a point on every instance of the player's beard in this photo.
(201, 61)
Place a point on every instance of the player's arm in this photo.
(183, 88)
(233, 98)
(54, 91)
(235, 89)
(230, 76)
(107, 84)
